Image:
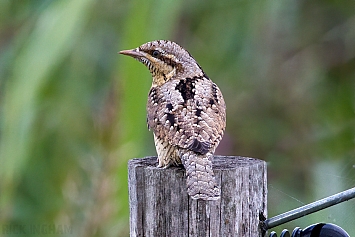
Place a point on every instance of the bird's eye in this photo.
(155, 53)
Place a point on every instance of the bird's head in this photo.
(165, 59)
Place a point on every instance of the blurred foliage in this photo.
(72, 111)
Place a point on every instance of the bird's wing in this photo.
(188, 113)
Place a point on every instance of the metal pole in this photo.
(309, 208)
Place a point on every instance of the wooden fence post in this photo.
(160, 206)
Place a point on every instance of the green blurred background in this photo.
(72, 111)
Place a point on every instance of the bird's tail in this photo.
(200, 182)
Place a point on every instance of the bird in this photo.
(186, 112)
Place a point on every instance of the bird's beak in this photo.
(131, 52)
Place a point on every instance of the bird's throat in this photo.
(160, 78)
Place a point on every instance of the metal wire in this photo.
(309, 208)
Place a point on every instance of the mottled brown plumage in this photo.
(186, 112)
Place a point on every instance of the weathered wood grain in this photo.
(160, 206)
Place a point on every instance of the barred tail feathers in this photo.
(200, 182)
